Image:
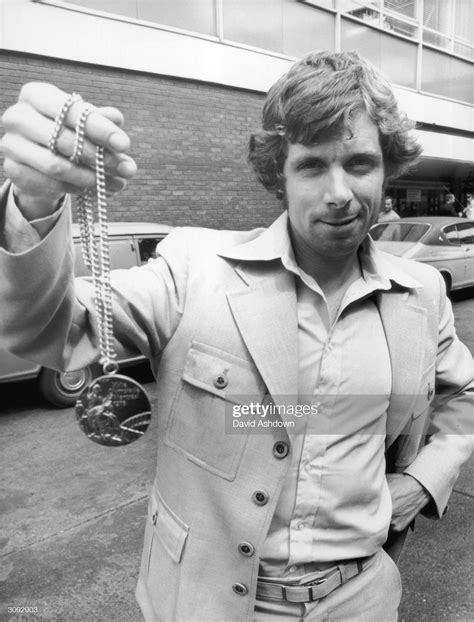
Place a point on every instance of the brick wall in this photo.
(189, 140)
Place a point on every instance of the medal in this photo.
(113, 410)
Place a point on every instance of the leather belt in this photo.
(319, 586)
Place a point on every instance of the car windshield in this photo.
(399, 231)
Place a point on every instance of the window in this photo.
(450, 235)
(466, 233)
(408, 8)
(447, 76)
(395, 57)
(198, 16)
(399, 231)
(449, 24)
(398, 16)
(283, 26)
(464, 20)
(147, 248)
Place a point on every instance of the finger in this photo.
(48, 100)
(23, 119)
(32, 182)
(54, 166)
(113, 114)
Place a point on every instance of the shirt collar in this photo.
(274, 243)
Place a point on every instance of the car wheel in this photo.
(64, 388)
(447, 282)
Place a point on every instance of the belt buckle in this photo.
(315, 582)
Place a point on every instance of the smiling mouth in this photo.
(341, 221)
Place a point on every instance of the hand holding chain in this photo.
(113, 410)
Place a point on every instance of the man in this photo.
(303, 315)
(468, 211)
(448, 208)
(388, 214)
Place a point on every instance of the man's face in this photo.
(334, 190)
(388, 204)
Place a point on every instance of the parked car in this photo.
(131, 244)
(447, 243)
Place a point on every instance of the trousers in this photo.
(372, 596)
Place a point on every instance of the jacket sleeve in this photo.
(50, 318)
(449, 431)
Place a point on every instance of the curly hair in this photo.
(319, 96)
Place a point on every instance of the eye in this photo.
(311, 165)
(361, 164)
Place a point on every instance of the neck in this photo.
(332, 274)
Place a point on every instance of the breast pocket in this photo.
(212, 381)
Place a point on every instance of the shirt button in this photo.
(221, 381)
(246, 549)
(280, 450)
(260, 497)
(240, 588)
(292, 569)
(301, 525)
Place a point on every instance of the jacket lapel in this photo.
(264, 308)
(265, 313)
(402, 320)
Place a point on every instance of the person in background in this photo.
(448, 208)
(148, 249)
(468, 211)
(387, 213)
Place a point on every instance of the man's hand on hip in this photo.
(408, 498)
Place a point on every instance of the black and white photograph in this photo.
(236, 310)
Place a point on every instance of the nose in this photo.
(338, 193)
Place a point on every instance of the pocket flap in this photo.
(223, 374)
(169, 528)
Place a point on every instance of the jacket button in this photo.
(221, 381)
(259, 497)
(240, 588)
(246, 549)
(430, 393)
(281, 450)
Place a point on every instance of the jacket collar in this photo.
(274, 243)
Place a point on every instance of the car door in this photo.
(449, 256)
(466, 239)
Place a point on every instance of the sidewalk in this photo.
(74, 514)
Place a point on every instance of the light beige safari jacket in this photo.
(219, 303)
